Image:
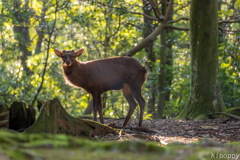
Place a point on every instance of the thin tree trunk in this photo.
(162, 75)
(205, 92)
(1, 25)
(169, 60)
(148, 29)
(89, 108)
(40, 30)
(106, 41)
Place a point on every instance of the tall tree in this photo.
(21, 30)
(169, 59)
(162, 74)
(148, 29)
(205, 93)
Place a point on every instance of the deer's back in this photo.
(112, 73)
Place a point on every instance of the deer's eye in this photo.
(63, 58)
(73, 57)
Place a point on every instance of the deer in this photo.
(98, 76)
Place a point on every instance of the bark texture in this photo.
(205, 93)
(54, 119)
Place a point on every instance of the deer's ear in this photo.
(58, 53)
(79, 52)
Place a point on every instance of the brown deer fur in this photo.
(99, 76)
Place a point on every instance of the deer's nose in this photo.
(67, 62)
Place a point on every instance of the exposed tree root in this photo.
(225, 114)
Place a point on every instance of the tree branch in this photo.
(151, 37)
(119, 24)
(169, 9)
(177, 28)
(224, 30)
(227, 21)
(155, 33)
(45, 66)
(220, 28)
(150, 17)
(179, 19)
(134, 25)
(155, 9)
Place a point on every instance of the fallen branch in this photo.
(91, 117)
(233, 128)
(141, 129)
(215, 129)
(225, 114)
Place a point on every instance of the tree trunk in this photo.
(4, 116)
(104, 102)
(148, 29)
(162, 74)
(40, 30)
(54, 119)
(21, 32)
(169, 60)
(21, 117)
(205, 93)
(89, 108)
(2, 20)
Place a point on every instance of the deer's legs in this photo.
(96, 99)
(100, 110)
(132, 104)
(136, 92)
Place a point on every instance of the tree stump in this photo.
(54, 119)
(21, 117)
(40, 103)
(4, 116)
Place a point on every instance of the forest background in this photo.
(31, 29)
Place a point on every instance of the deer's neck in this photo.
(73, 74)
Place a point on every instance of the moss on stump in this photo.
(234, 111)
(54, 119)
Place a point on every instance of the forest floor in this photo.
(157, 139)
(165, 131)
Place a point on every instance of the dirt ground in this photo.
(167, 131)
